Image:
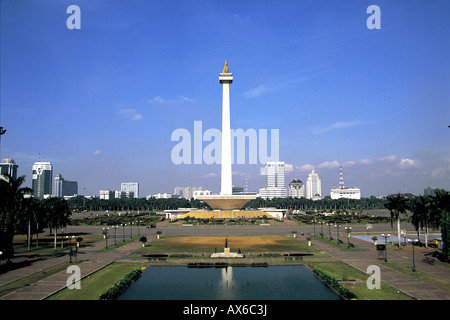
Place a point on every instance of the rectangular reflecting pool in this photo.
(229, 283)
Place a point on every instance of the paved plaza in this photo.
(90, 260)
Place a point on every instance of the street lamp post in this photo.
(131, 228)
(349, 230)
(329, 230)
(70, 247)
(115, 237)
(385, 245)
(337, 227)
(368, 226)
(123, 231)
(105, 232)
(321, 228)
(314, 223)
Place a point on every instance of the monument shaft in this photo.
(226, 78)
(226, 200)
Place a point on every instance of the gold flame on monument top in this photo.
(225, 67)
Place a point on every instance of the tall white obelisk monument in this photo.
(226, 200)
(226, 78)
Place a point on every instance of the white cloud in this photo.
(160, 100)
(328, 164)
(241, 174)
(288, 167)
(256, 92)
(388, 158)
(408, 163)
(365, 161)
(210, 175)
(338, 125)
(97, 152)
(182, 98)
(240, 19)
(156, 100)
(130, 114)
(306, 167)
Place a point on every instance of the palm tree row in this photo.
(20, 214)
(428, 212)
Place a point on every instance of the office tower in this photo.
(63, 187)
(178, 191)
(9, 166)
(42, 179)
(313, 186)
(187, 193)
(275, 181)
(429, 192)
(106, 194)
(297, 189)
(130, 187)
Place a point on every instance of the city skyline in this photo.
(101, 102)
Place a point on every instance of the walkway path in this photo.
(366, 255)
(89, 261)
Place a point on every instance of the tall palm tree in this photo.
(397, 205)
(441, 211)
(422, 215)
(11, 204)
(58, 213)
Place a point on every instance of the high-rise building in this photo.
(313, 186)
(42, 179)
(275, 181)
(130, 187)
(9, 166)
(429, 192)
(344, 193)
(297, 189)
(63, 187)
(106, 194)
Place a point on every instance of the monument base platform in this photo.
(227, 254)
(227, 202)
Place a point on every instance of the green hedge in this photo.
(120, 286)
(344, 292)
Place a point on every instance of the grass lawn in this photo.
(342, 271)
(244, 243)
(97, 283)
(46, 242)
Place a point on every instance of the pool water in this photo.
(229, 283)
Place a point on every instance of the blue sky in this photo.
(101, 102)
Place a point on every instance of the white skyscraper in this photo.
(42, 179)
(275, 181)
(313, 186)
(9, 166)
(130, 187)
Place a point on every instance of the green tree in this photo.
(11, 205)
(423, 216)
(397, 205)
(57, 214)
(441, 208)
